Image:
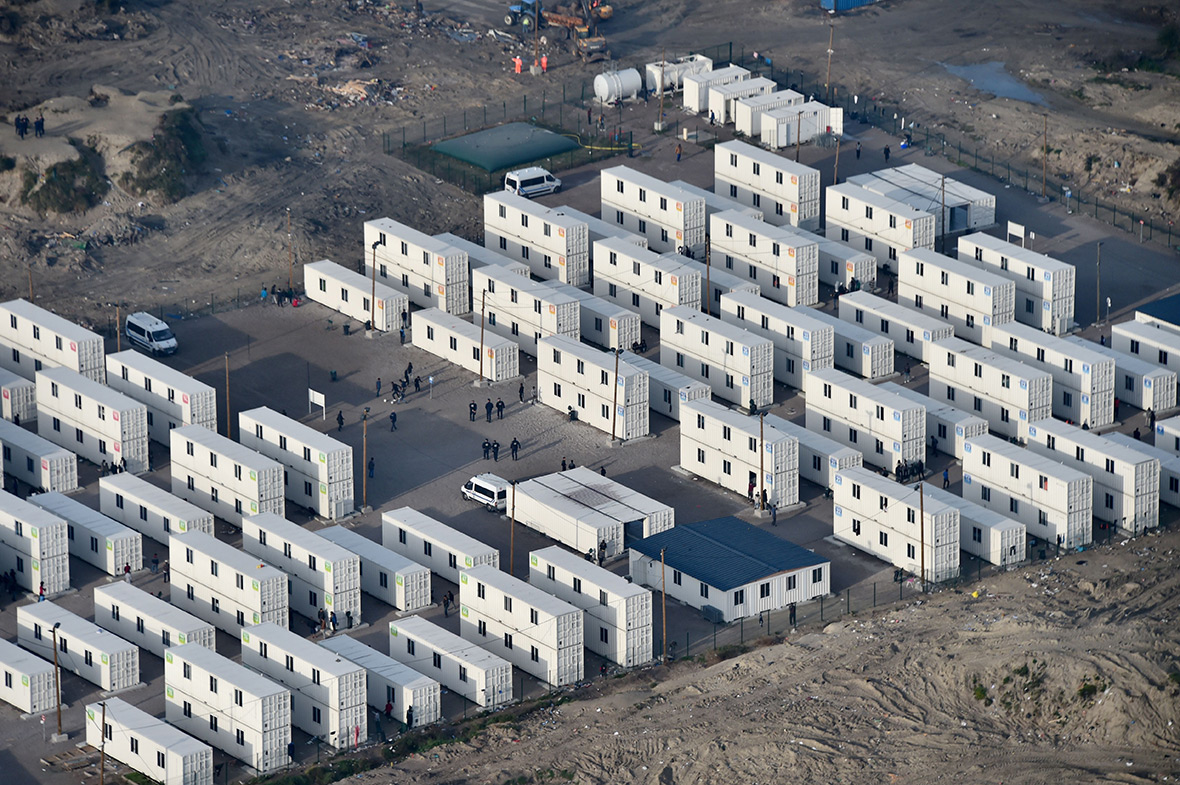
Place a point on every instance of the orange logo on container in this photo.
(553, 309)
(380, 305)
(491, 353)
(794, 208)
(614, 324)
(791, 252)
(679, 207)
(561, 232)
(561, 261)
(794, 180)
(848, 267)
(441, 289)
(673, 280)
(790, 280)
(441, 261)
(679, 235)
(908, 223)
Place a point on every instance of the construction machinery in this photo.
(529, 12)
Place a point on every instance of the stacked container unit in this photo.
(1139, 383)
(965, 208)
(231, 707)
(984, 533)
(36, 546)
(856, 350)
(671, 218)
(866, 221)
(524, 310)
(433, 544)
(601, 322)
(1007, 393)
(93, 537)
(389, 682)
(717, 202)
(327, 692)
(819, 457)
(388, 576)
(91, 419)
(840, 265)
(1126, 481)
(667, 389)
(18, 398)
(669, 76)
(736, 452)
(466, 670)
(970, 298)
(717, 281)
(1052, 500)
(147, 744)
(172, 398)
(738, 364)
(889, 429)
(747, 112)
(478, 256)
(801, 342)
(792, 125)
(584, 510)
(912, 332)
(28, 680)
(37, 462)
(1167, 434)
(219, 475)
(1169, 465)
(432, 273)
(459, 342)
(32, 338)
(601, 389)
(1148, 342)
(149, 622)
(785, 192)
(83, 648)
(599, 229)
(948, 428)
(723, 98)
(890, 521)
(321, 575)
(530, 628)
(1083, 379)
(1044, 285)
(318, 472)
(696, 86)
(616, 613)
(643, 280)
(554, 245)
(354, 295)
(787, 258)
(224, 586)
(148, 509)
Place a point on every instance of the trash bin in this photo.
(348, 329)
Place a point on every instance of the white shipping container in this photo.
(747, 112)
(667, 389)
(18, 398)
(219, 475)
(947, 428)
(229, 706)
(148, 745)
(91, 419)
(1148, 342)
(602, 322)
(432, 273)
(672, 219)
(644, 281)
(739, 453)
(552, 243)
(530, 628)
(356, 296)
(470, 671)
(866, 221)
(839, 264)
(912, 332)
(150, 510)
(819, 457)
(478, 256)
(717, 203)
(148, 621)
(433, 544)
(172, 398)
(1167, 434)
(35, 546)
(784, 191)
(389, 682)
(28, 680)
(802, 343)
(224, 586)
(792, 125)
(93, 537)
(83, 648)
(600, 230)
(33, 338)
(667, 76)
(717, 281)
(1137, 382)
(1044, 285)
(601, 389)
(1052, 500)
(888, 428)
(970, 298)
(737, 363)
(962, 207)
(459, 342)
(1169, 464)
(696, 86)
(722, 97)
(782, 259)
(37, 462)
(523, 310)
(995, 538)
(388, 576)
(327, 692)
(856, 350)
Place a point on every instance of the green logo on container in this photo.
(327, 566)
(90, 713)
(401, 581)
(533, 559)
(462, 577)
(327, 599)
(253, 505)
(182, 526)
(36, 565)
(24, 681)
(323, 458)
(168, 692)
(181, 638)
(245, 637)
(393, 630)
(33, 531)
(323, 489)
(254, 584)
(468, 561)
(253, 475)
(110, 545)
(463, 610)
(256, 619)
(167, 656)
(105, 659)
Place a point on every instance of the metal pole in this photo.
(663, 610)
(290, 256)
(102, 749)
(798, 134)
(922, 528)
(708, 272)
(118, 332)
(828, 81)
(373, 296)
(512, 534)
(614, 407)
(227, 409)
(57, 677)
(1098, 285)
(1044, 158)
(836, 166)
(942, 215)
(762, 460)
(483, 298)
(365, 459)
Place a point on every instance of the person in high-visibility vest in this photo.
(517, 62)
(544, 64)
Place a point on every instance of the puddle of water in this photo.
(992, 78)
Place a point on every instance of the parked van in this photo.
(148, 332)
(531, 182)
(488, 490)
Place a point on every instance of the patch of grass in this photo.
(67, 186)
(727, 652)
(323, 774)
(1090, 161)
(163, 163)
(1022, 670)
(7, 163)
(1174, 677)
(980, 692)
(140, 779)
(1087, 690)
(1119, 82)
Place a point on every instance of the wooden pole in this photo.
(828, 81)
(228, 428)
(922, 527)
(836, 166)
(1045, 159)
(102, 749)
(762, 460)
(663, 605)
(512, 534)
(614, 408)
(290, 256)
(483, 298)
(118, 332)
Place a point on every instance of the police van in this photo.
(531, 182)
(148, 332)
(489, 490)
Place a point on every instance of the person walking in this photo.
(534, 399)
(774, 515)
(496, 451)
(392, 421)
(761, 620)
(339, 421)
(378, 385)
(563, 464)
(167, 573)
(946, 478)
(127, 572)
(522, 392)
(388, 710)
(446, 606)
(515, 447)
(155, 563)
(41, 593)
(417, 384)
(401, 334)
(409, 717)
(487, 449)
(372, 465)
(792, 620)
(323, 618)
(499, 408)
(405, 319)
(473, 409)
(907, 373)
(886, 153)
(678, 151)
(858, 151)
(1151, 418)
(544, 64)
(332, 618)
(488, 409)
(39, 126)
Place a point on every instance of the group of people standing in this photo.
(22, 126)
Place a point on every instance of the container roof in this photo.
(83, 631)
(436, 530)
(447, 642)
(505, 146)
(726, 552)
(50, 320)
(282, 639)
(146, 725)
(141, 489)
(378, 662)
(76, 382)
(1165, 310)
(153, 607)
(589, 571)
(19, 660)
(158, 371)
(370, 550)
(335, 272)
(542, 600)
(232, 451)
(29, 441)
(251, 682)
(295, 430)
(74, 511)
(231, 557)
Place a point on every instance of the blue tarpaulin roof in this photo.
(727, 552)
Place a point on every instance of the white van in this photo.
(148, 332)
(531, 182)
(488, 490)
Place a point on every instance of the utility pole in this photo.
(942, 216)
(922, 527)
(663, 63)
(57, 677)
(228, 427)
(31, 283)
(537, 33)
(512, 534)
(483, 298)
(1098, 285)
(614, 408)
(828, 81)
(708, 272)
(798, 134)
(102, 750)
(373, 296)
(1045, 158)
(836, 166)
(365, 458)
(290, 256)
(118, 332)
(663, 610)
(762, 460)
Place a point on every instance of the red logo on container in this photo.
(6, 395)
(44, 466)
(184, 398)
(115, 415)
(73, 346)
(118, 448)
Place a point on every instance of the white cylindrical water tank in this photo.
(617, 85)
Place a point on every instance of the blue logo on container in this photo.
(745, 351)
(1085, 399)
(925, 335)
(1045, 305)
(1032, 431)
(1023, 384)
(865, 349)
(839, 479)
(1085, 368)
(1048, 276)
(896, 447)
(806, 365)
(745, 381)
(987, 291)
(987, 320)
(966, 479)
(683, 396)
(838, 512)
(966, 448)
(958, 430)
(897, 416)
(1023, 415)
(807, 335)
(1147, 384)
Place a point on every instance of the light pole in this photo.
(373, 296)
(365, 458)
(1098, 284)
(615, 400)
(102, 751)
(57, 676)
(664, 606)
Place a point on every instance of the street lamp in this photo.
(365, 458)
(1098, 285)
(57, 676)
(373, 297)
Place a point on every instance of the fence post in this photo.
(742, 630)
(821, 607)
(714, 635)
(687, 645)
(403, 137)
(848, 599)
(874, 594)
